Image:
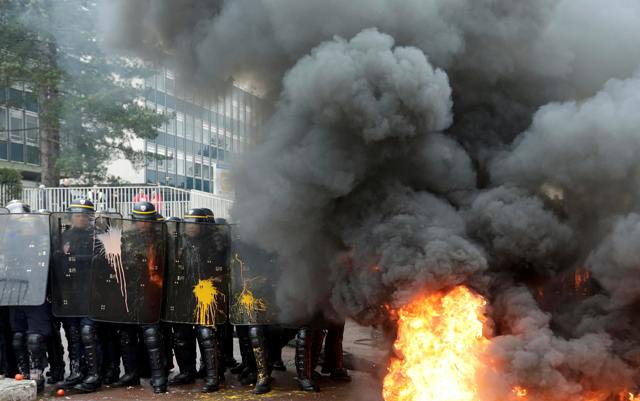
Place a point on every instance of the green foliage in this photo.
(95, 102)
(10, 184)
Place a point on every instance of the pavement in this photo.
(365, 356)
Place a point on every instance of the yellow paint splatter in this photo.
(207, 295)
(246, 304)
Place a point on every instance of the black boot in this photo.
(153, 341)
(263, 381)
(227, 347)
(184, 346)
(37, 346)
(128, 341)
(304, 360)
(333, 354)
(210, 354)
(74, 347)
(93, 380)
(55, 353)
(167, 343)
(247, 375)
(19, 345)
(110, 341)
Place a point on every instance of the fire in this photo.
(440, 341)
(582, 277)
(520, 392)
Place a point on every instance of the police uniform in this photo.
(151, 333)
(184, 334)
(30, 326)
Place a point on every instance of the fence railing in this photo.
(168, 200)
(8, 192)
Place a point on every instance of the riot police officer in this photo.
(77, 240)
(30, 326)
(152, 333)
(184, 335)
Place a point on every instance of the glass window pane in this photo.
(180, 166)
(33, 155)
(4, 135)
(17, 152)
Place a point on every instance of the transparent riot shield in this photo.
(4, 211)
(197, 285)
(254, 275)
(128, 271)
(24, 259)
(72, 247)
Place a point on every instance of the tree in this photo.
(89, 103)
(10, 185)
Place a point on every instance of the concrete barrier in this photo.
(14, 390)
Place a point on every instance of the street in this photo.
(362, 356)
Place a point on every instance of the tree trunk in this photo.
(48, 103)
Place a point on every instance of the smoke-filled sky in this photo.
(420, 144)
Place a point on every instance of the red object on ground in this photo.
(19, 377)
(60, 393)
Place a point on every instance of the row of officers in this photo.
(31, 345)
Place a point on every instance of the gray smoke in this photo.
(417, 145)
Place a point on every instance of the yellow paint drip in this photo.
(206, 295)
(246, 304)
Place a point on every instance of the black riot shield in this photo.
(128, 271)
(24, 259)
(197, 289)
(254, 275)
(72, 245)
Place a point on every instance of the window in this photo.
(31, 102)
(4, 135)
(33, 155)
(15, 98)
(15, 125)
(205, 173)
(198, 130)
(205, 186)
(17, 152)
(198, 170)
(151, 177)
(189, 183)
(32, 130)
(189, 168)
(180, 123)
(198, 184)
(171, 165)
(189, 132)
(180, 166)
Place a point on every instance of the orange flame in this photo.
(155, 277)
(440, 342)
(582, 277)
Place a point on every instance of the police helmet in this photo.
(174, 219)
(17, 206)
(198, 215)
(221, 220)
(159, 217)
(81, 205)
(144, 211)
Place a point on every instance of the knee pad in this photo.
(19, 340)
(207, 336)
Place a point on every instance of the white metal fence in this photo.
(168, 200)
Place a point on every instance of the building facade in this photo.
(201, 136)
(19, 137)
(194, 147)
